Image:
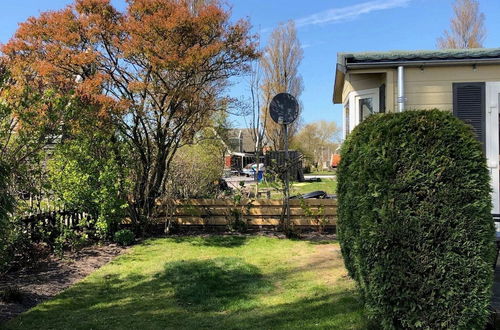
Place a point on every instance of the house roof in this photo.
(241, 140)
(358, 60)
(419, 56)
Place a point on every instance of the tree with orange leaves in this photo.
(32, 119)
(156, 71)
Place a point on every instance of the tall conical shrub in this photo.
(415, 223)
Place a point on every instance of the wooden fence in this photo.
(52, 221)
(254, 212)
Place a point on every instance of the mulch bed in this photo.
(52, 276)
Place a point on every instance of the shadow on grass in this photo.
(321, 242)
(220, 293)
(340, 310)
(214, 284)
(215, 293)
(227, 241)
(194, 286)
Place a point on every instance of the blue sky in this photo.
(325, 27)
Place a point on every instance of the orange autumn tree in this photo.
(157, 71)
(32, 118)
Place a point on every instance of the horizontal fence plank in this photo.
(252, 221)
(255, 212)
(228, 211)
(252, 202)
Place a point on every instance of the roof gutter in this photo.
(372, 64)
(343, 68)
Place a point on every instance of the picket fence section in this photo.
(52, 222)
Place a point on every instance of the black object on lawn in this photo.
(318, 194)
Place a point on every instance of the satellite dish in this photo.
(284, 108)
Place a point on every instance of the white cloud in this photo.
(348, 13)
(314, 44)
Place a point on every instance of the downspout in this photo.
(401, 88)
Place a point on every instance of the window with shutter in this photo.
(469, 105)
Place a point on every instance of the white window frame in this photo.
(354, 111)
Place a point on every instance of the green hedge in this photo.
(414, 223)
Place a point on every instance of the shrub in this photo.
(236, 220)
(70, 239)
(196, 169)
(414, 223)
(87, 174)
(6, 226)
(22, 251)
(124, 237)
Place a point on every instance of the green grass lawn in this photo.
(328, 185)
(218, 282)
(319, 173)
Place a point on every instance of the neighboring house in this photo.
(465, 82)
(241, 140)
(240, 148)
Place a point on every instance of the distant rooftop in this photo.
(241, 140)
(419, 56)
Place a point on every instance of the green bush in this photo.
(7, 235)
(70, 239)
(124, 237)
(20, 250)
(195, 168)
(87, 174)
(414, 223)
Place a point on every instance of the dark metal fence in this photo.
(49, 224)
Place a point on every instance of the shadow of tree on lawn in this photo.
(213, 284)
(227, 241)
(223, 293)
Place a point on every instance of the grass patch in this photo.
(216, 282)
(319, 173)
(328, 185)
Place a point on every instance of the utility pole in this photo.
(287, 177)
(284, 110)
